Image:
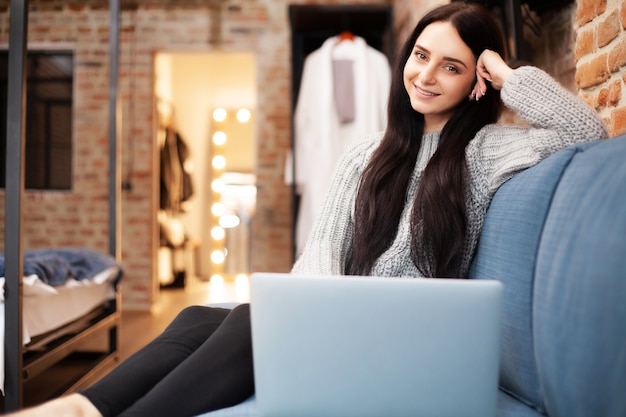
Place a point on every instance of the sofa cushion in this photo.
(246, 408)
(509, 406)
(506, 252)
(580, 288)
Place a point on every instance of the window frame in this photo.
(48, 150)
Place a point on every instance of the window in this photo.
(48, 148)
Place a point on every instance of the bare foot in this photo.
(73, 405)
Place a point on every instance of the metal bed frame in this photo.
(18, 369)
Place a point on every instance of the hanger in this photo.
(345, 36)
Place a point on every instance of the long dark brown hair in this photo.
(438, 220)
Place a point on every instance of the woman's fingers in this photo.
(490, 67)
(480, 88)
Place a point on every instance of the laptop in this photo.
(380, 347)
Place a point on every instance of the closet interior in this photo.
(311, 26)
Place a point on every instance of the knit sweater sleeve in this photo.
(556, 117)
(330, 238)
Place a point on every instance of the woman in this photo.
(408, 204)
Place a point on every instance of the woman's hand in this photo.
(489, 67)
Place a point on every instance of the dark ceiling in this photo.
(539, 6)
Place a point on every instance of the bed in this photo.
(65, 292)
(47, 319)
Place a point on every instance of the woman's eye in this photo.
(420, 56)
(451, 68)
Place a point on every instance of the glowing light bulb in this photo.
(217, 279)
(217, 257)
(216, 284)
(242, 287)
(219, 162)
(218, 233)
(219, 114)
(219, 138)
(218, 209)
(243, 115)
(217, 185)
(241, 279)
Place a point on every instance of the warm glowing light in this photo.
(219, 114)
(241, 280)
(217, 257)
(219, 138)
(243, 115)
(218, 233)
(219, 162)
(242, 287)
(217, 185)
(216, 284)
(228, 221)
(217, 209)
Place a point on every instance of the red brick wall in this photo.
(601, 59)
(79, 216)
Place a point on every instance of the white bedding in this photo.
(46, 308)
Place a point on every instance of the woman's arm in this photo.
(331, 236)
(490, 67)
(538, 99)
(557, 119)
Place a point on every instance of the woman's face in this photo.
(439, 73)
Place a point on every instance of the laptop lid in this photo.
(364, 346)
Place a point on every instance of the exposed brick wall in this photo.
(601, 58)
(79, 216)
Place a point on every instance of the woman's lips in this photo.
(425, 93)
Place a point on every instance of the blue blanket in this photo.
(56, 266)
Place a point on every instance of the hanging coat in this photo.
(321, 135)
(176, 184)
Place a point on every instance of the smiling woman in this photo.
(438, 75)
(438, 87)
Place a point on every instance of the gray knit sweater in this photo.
(557, 119)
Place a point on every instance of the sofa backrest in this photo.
(580, 288)
(555, 235)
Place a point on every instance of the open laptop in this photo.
(380, 347)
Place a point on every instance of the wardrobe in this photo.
(311, 26)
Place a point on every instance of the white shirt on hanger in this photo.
(320, 136)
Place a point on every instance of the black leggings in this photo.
(201, 362)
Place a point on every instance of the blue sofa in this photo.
(555, 235)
